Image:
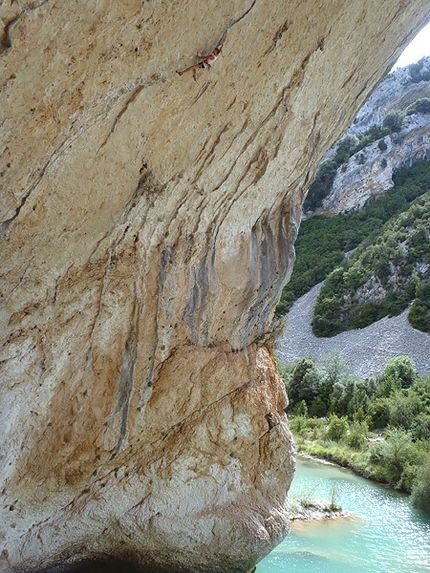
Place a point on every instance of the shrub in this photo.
(345, 148)
(421, 487)
(419, 106)
(395, 302)
(361, 159)
(357, 435)
(302, 409)
(364, 315)
(420, 426)
(387, 385)
(403, 368)
(404, 407)
(382, 145)
(419, 314)
(398, 456)
(337, 428)
(393, 121)
(322, 184)
(318, 407)
(415, 71)
(379, 413)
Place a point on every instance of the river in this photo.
(386, 534)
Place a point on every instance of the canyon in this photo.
(147, 228)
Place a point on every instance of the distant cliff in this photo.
(389, 132)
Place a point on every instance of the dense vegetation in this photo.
(322, 242)
(380, 427)
(382, 278)
(418, 72)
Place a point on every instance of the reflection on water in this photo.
(386, 534)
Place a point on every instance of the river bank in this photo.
(356, 464)
(341, 456)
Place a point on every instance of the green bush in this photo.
(363, 315)
(398, 455)
(403, 409)
(416, 72)
(322, 184)
(387, 385)
(393, 121)
(345, 148)
(403, 368)
(357, 435)
(302, 409)
(419, 106)
(421, 487)
(382, 145)
(419, 314)
(337, 428)
(379, 413)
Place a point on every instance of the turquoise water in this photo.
(386, 534)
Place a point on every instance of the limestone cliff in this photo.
(148, 223)
(399, 89)
(369, 173)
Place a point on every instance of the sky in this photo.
(419, 47)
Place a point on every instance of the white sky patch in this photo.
(417, 49)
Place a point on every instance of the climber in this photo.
(205, 64)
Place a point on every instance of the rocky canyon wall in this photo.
(369, 173)
(147, 229)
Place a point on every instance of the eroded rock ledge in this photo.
(148, 224)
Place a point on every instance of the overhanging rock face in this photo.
(147, 224)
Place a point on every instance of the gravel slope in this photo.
(365, 351)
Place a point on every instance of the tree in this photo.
(302, 409)
(404, 407)
(335, 369)
(357, 435)
(379, 413)
(322, 184)
(305, 382)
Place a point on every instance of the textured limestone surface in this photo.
(147, 228)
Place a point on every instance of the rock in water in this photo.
(148, 223)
